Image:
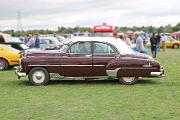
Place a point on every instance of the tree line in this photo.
(69, 30)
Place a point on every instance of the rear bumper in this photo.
(19, 74)
(158, 74)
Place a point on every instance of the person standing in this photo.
(139, 43)
(37, 41)
(127, 40)
(153, 41)
(31, 41)
(164, 39)
(158, 38)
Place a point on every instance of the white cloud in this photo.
(53, 13)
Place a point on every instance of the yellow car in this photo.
(171, 43)
(8, 57)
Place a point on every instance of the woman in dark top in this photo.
(153, 41)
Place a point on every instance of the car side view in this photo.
(9, 57)
(89, 57)
(171, 43)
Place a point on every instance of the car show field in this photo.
(150, 98)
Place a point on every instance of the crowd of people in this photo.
(32, 41)
(140, 40)
(155, 40)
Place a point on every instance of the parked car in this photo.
(8, 57)
(14, 42)
(50, 43)
(171, 43)
(89, 57)
(63, 40)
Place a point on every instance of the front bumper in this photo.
(19, 74)
(158, 74)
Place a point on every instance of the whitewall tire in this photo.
(128, 80)
(38, 76)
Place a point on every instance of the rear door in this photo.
(102, 54)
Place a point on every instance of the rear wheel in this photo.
(3, 64)
(128, 80)
(175, 46)
(38, 76)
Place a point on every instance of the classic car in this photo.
(8, 57)
(89, 57)
(171, 43)
(50, 43)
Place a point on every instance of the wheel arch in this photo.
(175, 44)
(29, 69)
(5, 60)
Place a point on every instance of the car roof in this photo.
(118, 43)
(48, 38)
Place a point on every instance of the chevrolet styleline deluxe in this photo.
(89, 57)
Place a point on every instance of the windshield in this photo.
(122, 47)
(11, 48)
(16, 39)
(64, 48)
(25, 47)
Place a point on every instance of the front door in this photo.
(77, 62)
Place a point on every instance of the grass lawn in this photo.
(149, 99)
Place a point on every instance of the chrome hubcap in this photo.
(175, 46)
(38, 76)
(128, 79)
(1, 65)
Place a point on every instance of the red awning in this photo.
(103, 28)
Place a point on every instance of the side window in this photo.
(81, 47)
(43, 41)
(103, 48)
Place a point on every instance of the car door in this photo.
(77, 62)
(102, 54)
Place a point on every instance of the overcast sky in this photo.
(52, 13)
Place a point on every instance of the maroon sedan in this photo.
(89, 57)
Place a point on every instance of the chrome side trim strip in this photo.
(69, 65)
(136, 68)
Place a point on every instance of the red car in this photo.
(89, 57)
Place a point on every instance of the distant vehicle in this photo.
(63, 40)
(171, 43)
(89, 57)
(14, 42)
(49, 43)
(8, 57)
(18, 46)
(103, 30)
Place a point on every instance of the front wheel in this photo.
(3, 64)
(128, 80)
(38, 76)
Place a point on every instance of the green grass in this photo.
(149, 99)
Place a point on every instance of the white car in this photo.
(50, 43)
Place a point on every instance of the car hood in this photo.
(39, 52)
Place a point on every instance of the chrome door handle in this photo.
(88, 55)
